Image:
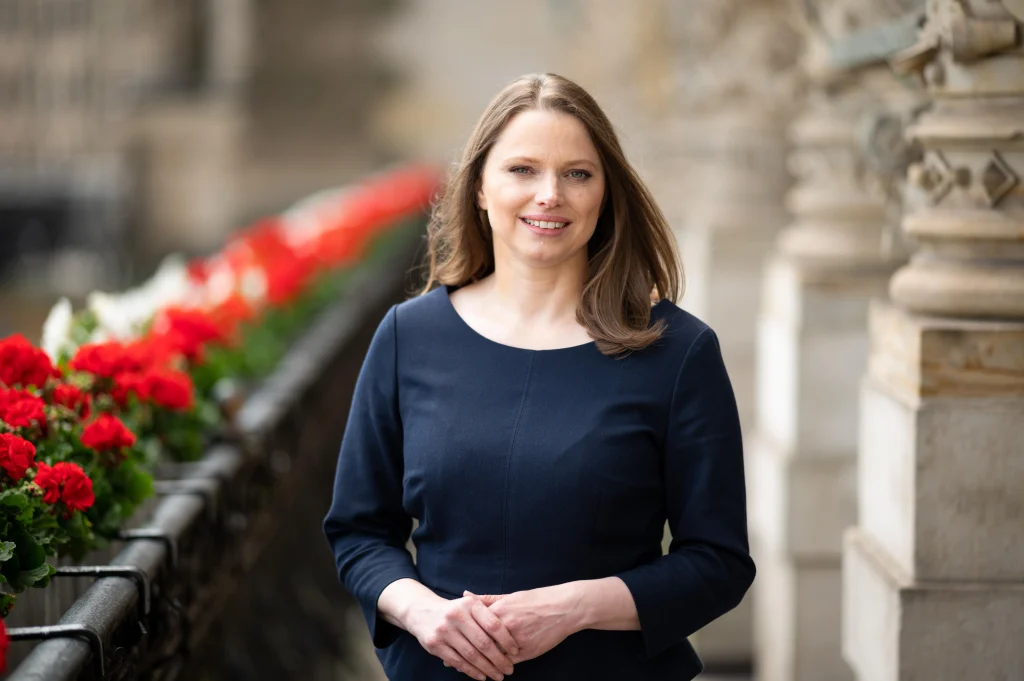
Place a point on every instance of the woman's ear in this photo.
(481, 200)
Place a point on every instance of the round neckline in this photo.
(446, 289)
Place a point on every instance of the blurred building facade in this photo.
(134, 128)
(844, 178)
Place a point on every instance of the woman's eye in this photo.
(516, 170)
(579, 174)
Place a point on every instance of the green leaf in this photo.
(7, 550)
(37, 577)
(13, 498)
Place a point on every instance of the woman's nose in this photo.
(549, 192)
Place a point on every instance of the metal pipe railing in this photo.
(160, 593)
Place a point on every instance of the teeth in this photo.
(543, 224)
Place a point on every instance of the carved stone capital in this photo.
(849, 160)
(965, 198)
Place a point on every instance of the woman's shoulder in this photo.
(682, 329)
(422, 312)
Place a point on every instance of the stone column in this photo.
(933, 575)
(737, 82)
(835, 256)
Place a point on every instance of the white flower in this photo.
(123, 316)
(57, 329)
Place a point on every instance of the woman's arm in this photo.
(708, 568)
(540, 619)
(366, 525)
(368, 528)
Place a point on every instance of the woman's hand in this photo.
(538, 619)
(464, 634)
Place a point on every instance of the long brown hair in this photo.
(632, 251)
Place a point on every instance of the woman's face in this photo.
(542, 187)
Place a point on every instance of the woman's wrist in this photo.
(402, 599)
(601, 604)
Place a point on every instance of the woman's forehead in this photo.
(546, 136)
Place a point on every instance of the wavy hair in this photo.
(632, 252)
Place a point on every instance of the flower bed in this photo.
(152, 376)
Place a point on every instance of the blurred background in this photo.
(843, 177)
(130, 129)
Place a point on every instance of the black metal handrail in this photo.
(159, 593)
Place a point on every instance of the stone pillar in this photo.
(737, 82)
(933, 575)
(836, 255)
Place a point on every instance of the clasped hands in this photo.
(484, 636)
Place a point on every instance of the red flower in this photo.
(17, 455)
(72, 397)
(231, 313)
(187, 331)
(23, 364)
(65, 482)
(5, 643)
(107, 433)
(105, 360)
(128, 383)
(154, 351)
(19, 408)
(286, 277)
(169, 389)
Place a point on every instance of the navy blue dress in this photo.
(529, 468)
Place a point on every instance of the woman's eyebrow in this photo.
(527, 159)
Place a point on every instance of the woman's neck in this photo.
(541, 295)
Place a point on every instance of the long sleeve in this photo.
(366, 526)
(708, 568)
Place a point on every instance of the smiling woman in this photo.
(544, 152)
(542, 420)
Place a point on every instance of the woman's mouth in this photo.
(544, 227)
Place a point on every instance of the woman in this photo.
(541, 420)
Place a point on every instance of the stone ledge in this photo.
(896, 629)
(939, 483)
(918, 356)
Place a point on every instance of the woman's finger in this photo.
(494, 628)
(451, 658)
(475, 657)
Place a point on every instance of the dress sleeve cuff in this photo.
(658, 635)
(382, 632)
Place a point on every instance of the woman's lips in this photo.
(544, 231)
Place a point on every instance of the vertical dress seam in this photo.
(508, 472)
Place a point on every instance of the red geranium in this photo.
(187, 331)
(19, 408)
(107, 433)
(105, 360)
(5, 643)
(17, 455)
(65, 482)
(72, 397)
(169, 389)
(286, 277)
(127, 384)
(23, 364)
(230, 314)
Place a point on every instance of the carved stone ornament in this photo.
(933, 176)
(970, 29)
(997, 179)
